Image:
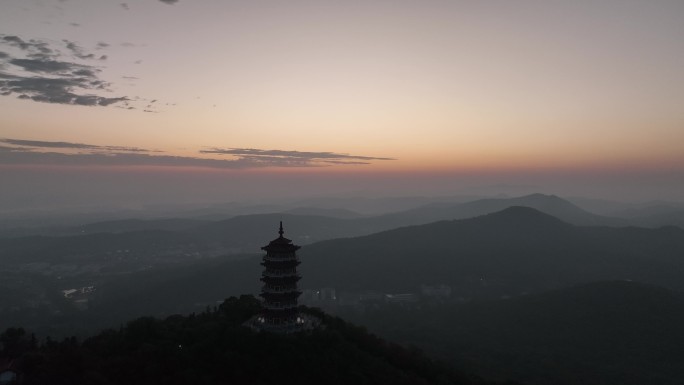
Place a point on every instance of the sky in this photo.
(219, 100)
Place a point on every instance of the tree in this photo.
(14, 342)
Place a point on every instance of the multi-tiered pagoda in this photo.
(280, 311)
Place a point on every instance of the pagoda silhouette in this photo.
(280, 312)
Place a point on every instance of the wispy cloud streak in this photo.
(304, 158)
(38, 152)
(69, 145)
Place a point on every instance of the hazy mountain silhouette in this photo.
(500, 247)
(654, 216)
(439, 209)
(648, 214)
(244, 233)
(518, 249)
(511, 252)
(549, 204)
(248, 230)
(601, 333)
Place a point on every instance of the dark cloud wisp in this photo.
(38, 74)
(36, 152)
(303, 158)
(32, 48)
(78, 51)
(68, 145)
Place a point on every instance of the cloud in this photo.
(41, 76)
(15, 41)
(288, 154)
(45, 66)
(33, 48)
(293, 157)
(69, 145)
(57, 90)
(36, 152)
(112, 159)
(124, 6)
(78, 51)
(170, 2)
(8, 149)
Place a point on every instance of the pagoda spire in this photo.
(281, 232)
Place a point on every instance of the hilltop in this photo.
(213, 348)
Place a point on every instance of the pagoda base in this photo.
(303, 322)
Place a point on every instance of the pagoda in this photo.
(280, 312)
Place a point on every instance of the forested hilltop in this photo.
(602, 333)
(213, 347)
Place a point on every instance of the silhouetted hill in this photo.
(512, 251)
(603, 333)
(213, 348)
(549, 204)
(246, 232)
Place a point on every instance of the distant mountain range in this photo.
(516, 251)
(245, 233)
(495, 248)
(372, 215)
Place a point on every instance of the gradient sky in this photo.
(572, 97)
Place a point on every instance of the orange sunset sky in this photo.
(383, 97)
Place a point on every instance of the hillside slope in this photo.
(213, 348)
(603, 333)
(515, 250)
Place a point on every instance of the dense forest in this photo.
(616, 333)
(213, 347)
